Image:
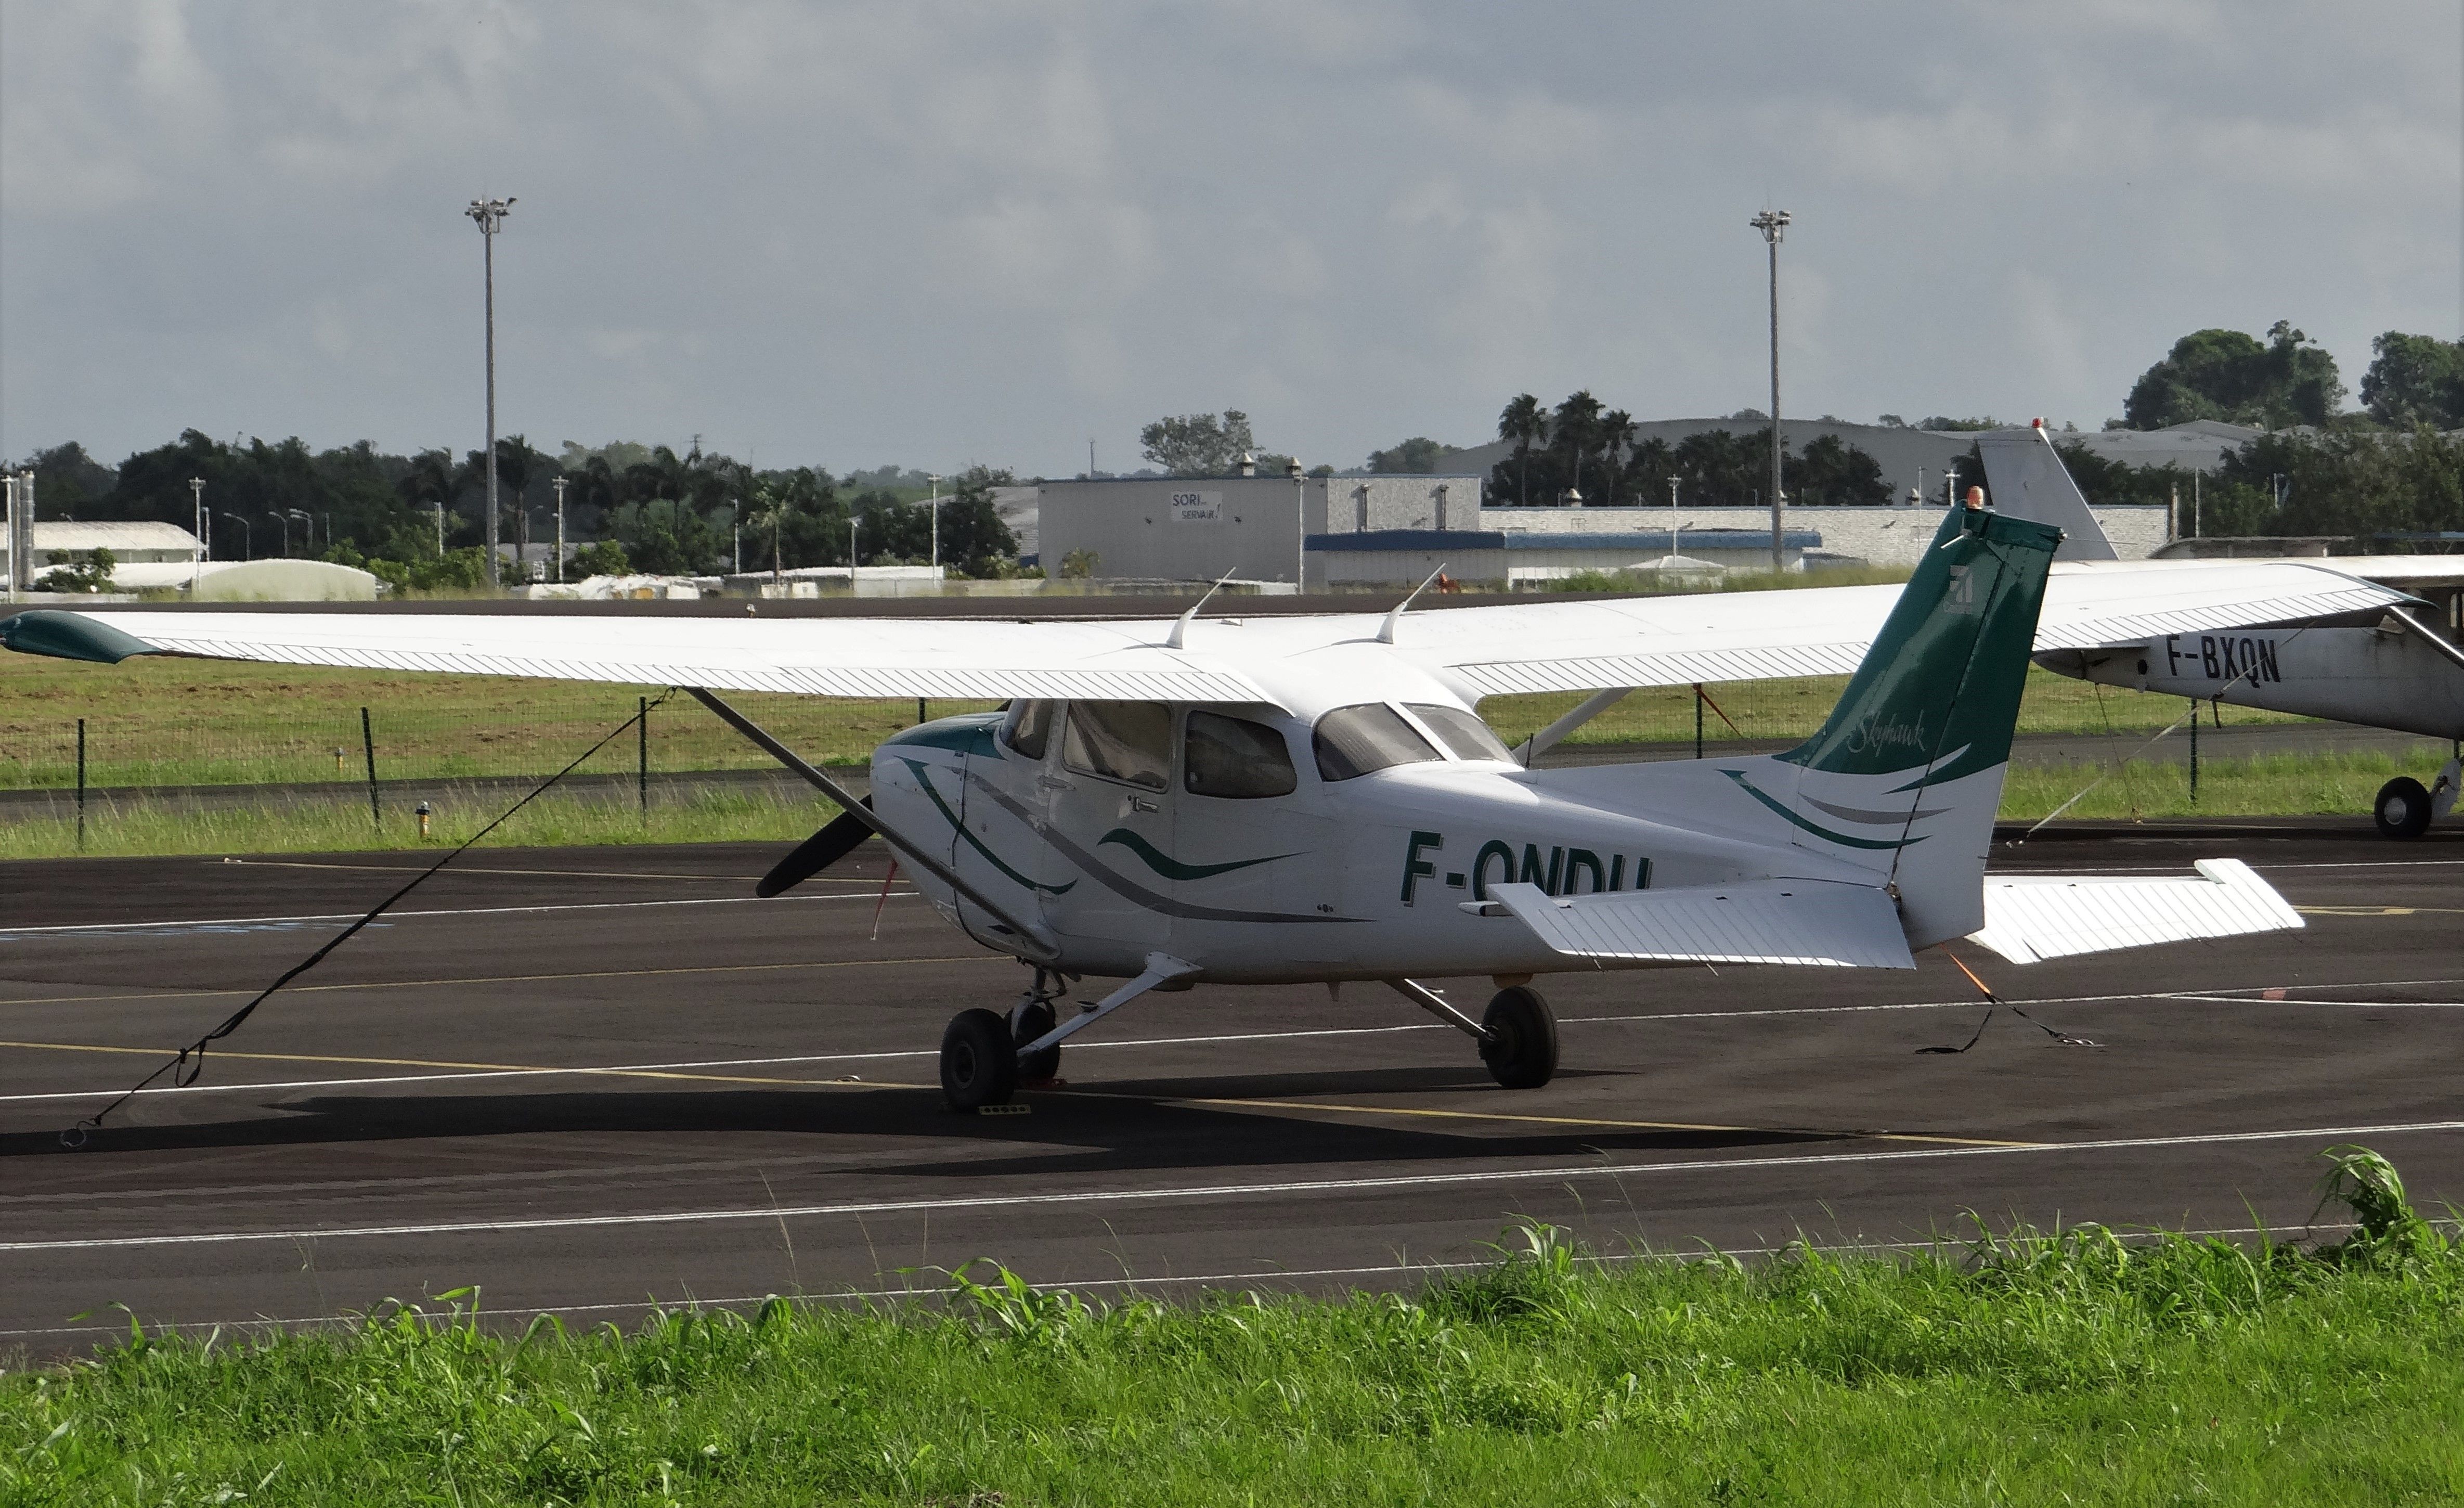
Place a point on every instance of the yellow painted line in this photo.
(512, 978)
(483, 1068)
(541, 873)
(1581, 1122)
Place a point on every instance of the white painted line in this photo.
(1286, 1189)
(619, 1070)
(1266, 1275)
(469, 911)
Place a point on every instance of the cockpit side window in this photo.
(1236, 758)
(1028, 727)
(1354, 741)
(1466, 735)
(1123, 741)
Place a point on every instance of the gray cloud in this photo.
(949, 232)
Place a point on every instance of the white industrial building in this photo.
(1377, 531)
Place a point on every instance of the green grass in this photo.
(2067, 1369)
(205, 722)
(343, 824)
(2275, 784)
(2263, 786)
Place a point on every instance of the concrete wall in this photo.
(1880, 536)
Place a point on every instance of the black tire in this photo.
(2402, 810)
(1522, 1047)
(1032, 1021)
(979, 1062)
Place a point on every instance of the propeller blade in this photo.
(816, 853)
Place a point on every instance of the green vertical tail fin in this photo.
(1939, 691)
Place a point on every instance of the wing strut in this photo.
(1030, 940)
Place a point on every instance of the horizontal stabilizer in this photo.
(2031, 917)
(1812, 923)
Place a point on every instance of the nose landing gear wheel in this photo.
(1522, 1047)
(1027, 1022)
(2403, 809)
(979, 1062)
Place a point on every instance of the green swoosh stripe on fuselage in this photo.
(1170, 868)
(1819, 831)
(925, 779)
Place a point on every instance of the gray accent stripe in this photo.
(1129, 890)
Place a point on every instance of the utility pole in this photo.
(559, 484)
(197, 563)
(936, 522)
(489, 215)
(1773, 223)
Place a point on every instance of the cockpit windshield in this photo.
(1464, 734)
(1372, 736)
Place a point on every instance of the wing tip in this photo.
(63, 635)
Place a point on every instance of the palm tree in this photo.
(770, 511)
(1616, 436)
(1577, 424)
(431, 482)
(1527, 424)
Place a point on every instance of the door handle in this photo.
(1142, 804)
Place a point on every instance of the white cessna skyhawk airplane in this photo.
(2394, 666)
(1316, 799)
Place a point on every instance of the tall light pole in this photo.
(1300, 519)
(559, 484)
(1773, 224)
(936, 524)
(489, 215)
(246, 535)
(197, 497)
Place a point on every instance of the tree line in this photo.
(419, 519)
(1584, 449)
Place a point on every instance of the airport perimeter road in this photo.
(591, 1080)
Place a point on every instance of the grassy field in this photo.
(2069, 1368)
(202, 722)
(2281, 784)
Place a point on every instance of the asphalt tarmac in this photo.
(590, 1081)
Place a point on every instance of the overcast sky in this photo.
(935, 233)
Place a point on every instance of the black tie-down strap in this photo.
(190, 1060)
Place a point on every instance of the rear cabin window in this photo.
(1465, 735)
(1028, 728)
(1354, 740)
(1236, 758)
(1123, 741)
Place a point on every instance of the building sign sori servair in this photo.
(1197, 507)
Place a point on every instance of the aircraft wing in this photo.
(1758, 636)
(1498, 649)
(2031, 918)
(1814, 922)
(943, 658)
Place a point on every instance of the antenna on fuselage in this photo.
(1179, 637)
(1386, 633)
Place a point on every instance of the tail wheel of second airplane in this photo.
(979, 1060)
(2403, 809)
(1522, 1046)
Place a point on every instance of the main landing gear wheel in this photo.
(1521, 1049)
(2403, 809)
(979, 1062)
(1027, 1022)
